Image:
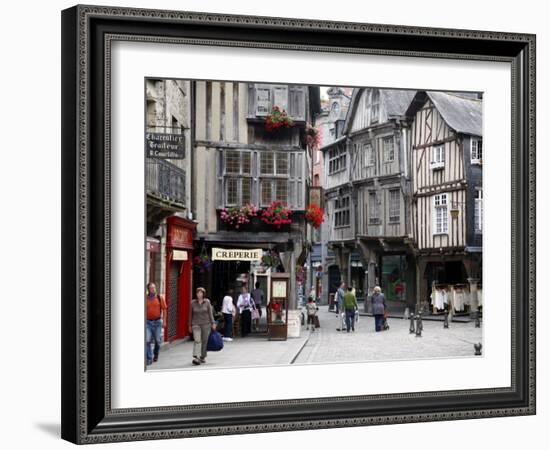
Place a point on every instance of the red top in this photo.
(154, 306)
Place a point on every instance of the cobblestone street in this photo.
(327, 345)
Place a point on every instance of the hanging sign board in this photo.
(234, 254)
(165, 145)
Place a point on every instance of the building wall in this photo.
(428, 129)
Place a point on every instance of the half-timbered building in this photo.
(238, 161)
(376, 128)
(447, 208)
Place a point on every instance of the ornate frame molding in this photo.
(80, 415)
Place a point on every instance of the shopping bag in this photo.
(215, 342)
(255, 314)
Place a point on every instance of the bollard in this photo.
(477, 348)
(418, 326)
(411, 328)
(446, 321)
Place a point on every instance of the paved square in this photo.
(326, 345)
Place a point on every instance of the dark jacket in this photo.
(378, 303)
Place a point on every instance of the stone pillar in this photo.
(421, 294)
(473, 296)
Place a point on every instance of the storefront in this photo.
(179, 267)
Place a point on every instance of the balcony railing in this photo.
(165, 180)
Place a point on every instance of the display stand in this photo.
(277, 308)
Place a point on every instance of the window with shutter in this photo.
(280, 97)
(263, 101)
(297, 106)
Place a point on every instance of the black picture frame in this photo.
(87, 32)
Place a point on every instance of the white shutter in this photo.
(280, 97)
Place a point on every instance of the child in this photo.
(311, 308)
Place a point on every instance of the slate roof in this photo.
(396, 102)
(462, 114)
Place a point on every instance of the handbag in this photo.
(255, 314)
(215, 342)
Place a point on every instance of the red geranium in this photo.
(278, 119)
(314, 215)
(277, 214)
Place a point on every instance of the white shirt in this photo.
(227, 305)
(244, 302)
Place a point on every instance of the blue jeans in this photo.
(227, 325)
(152, 330)
(350, 319)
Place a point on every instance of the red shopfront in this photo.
(179, 266)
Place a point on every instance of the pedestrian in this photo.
(201, 321)
(340, 297)
(245, 304)
(228, 311)
(378, 308)
(350, 307)
(258, 297)
(156, 321)
(311, 308)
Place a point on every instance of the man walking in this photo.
(156, 321)
(350, 306)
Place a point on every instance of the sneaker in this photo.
(196, 362)
(155, 358)
(227, 339)
(149, 362)
(202, 359)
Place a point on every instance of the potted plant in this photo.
(277, 214)
(238, 215)
(314, 215)
(278, 119)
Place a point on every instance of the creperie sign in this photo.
(234, 254)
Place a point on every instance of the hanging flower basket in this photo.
(202, 262)
(277, 119)
(314, 216)
(278, 214)
(271, 259)
(313, 137)
(239, 215)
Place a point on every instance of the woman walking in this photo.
(228, 311)
(201, 321)
(378, 308)
(245, 304)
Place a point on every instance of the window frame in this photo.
(384, 141)
(239, 177)
(478, 150)
(374, 219)
(340, 154)
(438, 206)
(478, 211)
(342, 211)
(438, 157)
(393, 218)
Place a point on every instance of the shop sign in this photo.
(165, 145)
(316, 196)
(234, 254)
